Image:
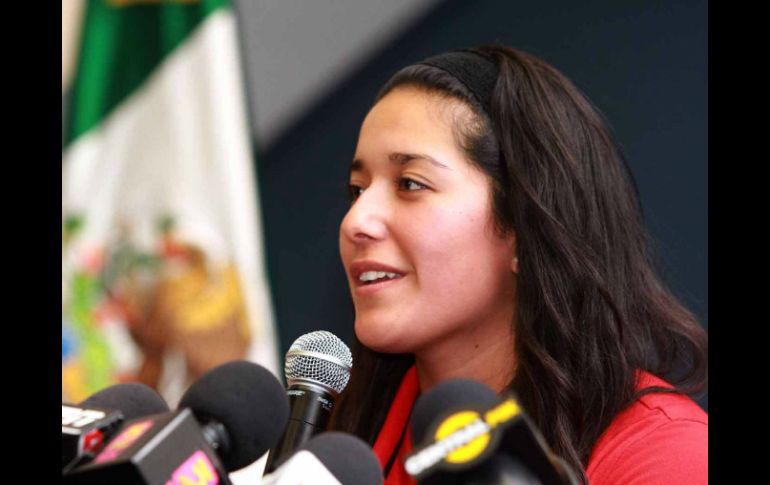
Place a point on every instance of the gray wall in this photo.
(297, 50)
(642, 62)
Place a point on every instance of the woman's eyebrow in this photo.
(401, 159)
(356, 166)
(404, 158)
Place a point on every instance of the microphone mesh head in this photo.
(319, 357)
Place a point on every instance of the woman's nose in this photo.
(367, 219)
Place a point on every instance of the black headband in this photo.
(476, 71)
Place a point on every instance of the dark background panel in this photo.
(643, 64)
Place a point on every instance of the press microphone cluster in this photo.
(464, 433)
(226, 420)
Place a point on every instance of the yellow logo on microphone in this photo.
(462, 437)
(459, 421)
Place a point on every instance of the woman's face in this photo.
(423, 261)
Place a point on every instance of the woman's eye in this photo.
(410, 185)
(354, 192)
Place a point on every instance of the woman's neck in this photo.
(486, 356)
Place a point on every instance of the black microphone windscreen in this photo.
(248, 400)
(134, 400)
(445, 396)
(348, 458)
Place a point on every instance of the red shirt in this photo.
(661, 439)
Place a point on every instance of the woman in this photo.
(495, 234)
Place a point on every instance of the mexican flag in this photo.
(163, 271)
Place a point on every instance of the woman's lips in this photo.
(361, 267)
(364, 289)
(370, 276)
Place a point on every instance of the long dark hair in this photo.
(590, 308)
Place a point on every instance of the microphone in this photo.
(317, 369)
(227, 418)
(243, 410)
(87, 426)
(133, 399)
(330, 458)
(465, 434)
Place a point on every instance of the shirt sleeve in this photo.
(674, 452)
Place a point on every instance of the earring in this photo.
(515, 265)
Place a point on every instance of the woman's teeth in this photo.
(369, 276)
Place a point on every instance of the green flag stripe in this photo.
(120, 47)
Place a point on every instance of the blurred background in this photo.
(205, 149)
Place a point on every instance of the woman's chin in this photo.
(381, 338)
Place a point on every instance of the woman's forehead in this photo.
(408, 120)
(406, 102)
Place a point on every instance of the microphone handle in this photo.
(310, 410)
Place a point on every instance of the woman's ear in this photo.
(514, 257)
